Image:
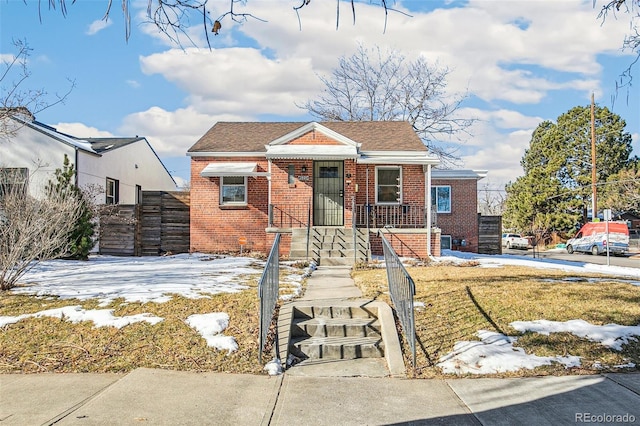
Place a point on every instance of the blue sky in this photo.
(520, 61)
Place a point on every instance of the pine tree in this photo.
(555, 191)
(81, 237)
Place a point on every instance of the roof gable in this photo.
(306, 135)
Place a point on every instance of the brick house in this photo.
(328, 188)
(455, 206)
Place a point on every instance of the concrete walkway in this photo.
(160, 397)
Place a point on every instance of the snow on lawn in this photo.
(145, 279)
(75, 314)
(497, 261)
(140, 279)
(495, 353)
(611, 335)
(210, 326)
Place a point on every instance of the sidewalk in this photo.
(161, 397)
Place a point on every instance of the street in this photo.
(631, 261)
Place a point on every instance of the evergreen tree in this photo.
(555, 191)
(81, 237)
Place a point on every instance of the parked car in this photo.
(592, 238)
(515, 241)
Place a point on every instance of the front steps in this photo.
(330, 245)
(329, 331)
(323, 332)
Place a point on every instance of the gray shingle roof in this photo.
(253, 136)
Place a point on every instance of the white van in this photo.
(592, 238)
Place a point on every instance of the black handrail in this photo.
(268, 291)
(402, 289)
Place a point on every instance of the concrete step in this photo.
(309, 311)
(338, 347)
(335, 327)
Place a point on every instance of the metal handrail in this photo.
(402, 289)
(268, 291)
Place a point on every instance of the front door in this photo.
(328, 193)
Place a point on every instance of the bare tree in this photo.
(31, 229)
(622, 191)
(372, 85)
(173, 17)
(17, 101)
(491, 201)
(628, 9)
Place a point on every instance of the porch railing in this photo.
(365, 216)
(268, 289)
(395, 216)
(289, 215)
(402, 289)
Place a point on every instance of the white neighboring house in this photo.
(122, 167)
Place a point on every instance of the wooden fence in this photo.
(158, 225)
(489, 234)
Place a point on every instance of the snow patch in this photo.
(495, 353)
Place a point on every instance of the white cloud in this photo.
(236, 80)
(172, 133)
(501, 51)
(98, 25)
(81, 130)
(133, 84)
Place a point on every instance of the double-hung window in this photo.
(441, 198)
(112, 191)
(388, 185)
(14, 181)
(233, 190)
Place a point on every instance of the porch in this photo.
(369, 216)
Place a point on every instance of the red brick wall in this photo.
(216, 228)
(462, 222)
(406, 244)
(314, 138)
(413, 183)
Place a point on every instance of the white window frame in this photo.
(434, 198)
(114, 198)
(399, 199)
(445, 237)
(233, 203)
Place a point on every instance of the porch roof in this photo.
(245, 168)
(314, 152)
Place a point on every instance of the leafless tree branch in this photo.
(375, 86)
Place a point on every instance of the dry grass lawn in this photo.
(36, 345)
(460, 300)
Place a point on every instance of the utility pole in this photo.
(594, 203)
